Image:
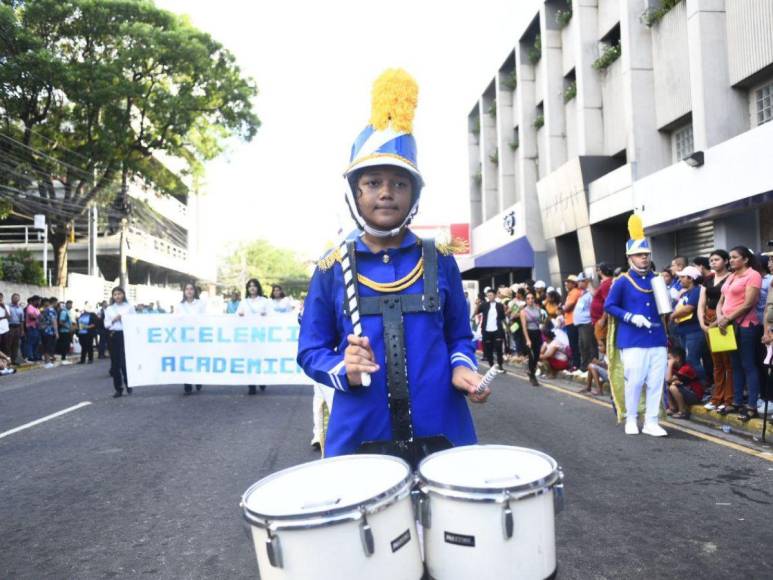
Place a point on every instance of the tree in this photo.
(267, 263)
(93, 91)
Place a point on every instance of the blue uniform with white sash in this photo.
(435, 343)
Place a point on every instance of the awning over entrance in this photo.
(515, 254)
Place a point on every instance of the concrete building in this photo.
(608, 107)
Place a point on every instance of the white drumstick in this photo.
(351, 297)
(486, 381)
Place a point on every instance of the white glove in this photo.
(640, 320)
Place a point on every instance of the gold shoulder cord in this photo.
(405, 282)
(635, 285)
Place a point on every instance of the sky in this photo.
(314, 64)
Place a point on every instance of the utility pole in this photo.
(93, 221)
(40, 224)
(123, 275)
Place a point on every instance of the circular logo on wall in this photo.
(509, 222)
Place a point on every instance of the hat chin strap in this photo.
(376, 232)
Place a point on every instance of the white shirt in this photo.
(258, 306)
(282, 304)
(195, 307)
(114, 310)
(491, 318)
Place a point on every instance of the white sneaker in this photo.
(710, 406)
(48, 366)
(631, 428)
(654, 430)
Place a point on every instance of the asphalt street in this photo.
(148, 485)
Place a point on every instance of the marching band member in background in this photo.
(640, 336)
(414, 317)
(191, 304)
(114, 324)
(254, 304)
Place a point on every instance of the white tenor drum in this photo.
(344, 518)
(488, 511)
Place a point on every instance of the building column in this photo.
(553, 93)
(719, 112)
(590, 124)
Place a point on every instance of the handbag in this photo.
(719, 342)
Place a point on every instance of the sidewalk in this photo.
(751, 429)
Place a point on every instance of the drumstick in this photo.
(486, 381)
(351, 296)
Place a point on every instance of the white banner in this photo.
(212, 349)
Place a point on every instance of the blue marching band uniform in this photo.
(410, 303)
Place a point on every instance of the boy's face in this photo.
(384, 196)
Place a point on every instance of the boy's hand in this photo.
(358, 359)
(467, 381)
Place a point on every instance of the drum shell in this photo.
(530, 553)
(335, 551)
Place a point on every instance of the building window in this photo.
(763, 100)
(683, 142)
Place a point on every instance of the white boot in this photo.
(654, 430)
(631, 427)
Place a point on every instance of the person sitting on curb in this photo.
(598, 373)
(684, 388)
(5, 365)
(553, 356)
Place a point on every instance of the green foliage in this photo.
(539, 121)
(494, 157)
(510, 81)
(6, 207)
(570, 92)
(513, 146)
(563, 17)
(267, 263)
(22, 267)
(611, 53)
(102, 87)
(492, 109)
(478, 177)
(653, 15)
(534, 53)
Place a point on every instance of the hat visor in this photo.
(386, 159)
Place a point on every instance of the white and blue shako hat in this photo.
(387, 140)
(638, 244)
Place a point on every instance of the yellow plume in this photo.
(635, 227)
(395, 94)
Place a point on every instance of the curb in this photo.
(751, 429)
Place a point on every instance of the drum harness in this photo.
(392, 308)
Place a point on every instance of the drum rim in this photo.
(491, 494)
(349, 512)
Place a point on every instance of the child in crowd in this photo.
(554, 355)
(684, 388)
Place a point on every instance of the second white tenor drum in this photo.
(488, 511)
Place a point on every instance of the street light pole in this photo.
(123, 275)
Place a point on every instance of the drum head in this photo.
(488, 468)
(327, 486)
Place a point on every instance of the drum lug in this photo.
(508, 524)
(366, 535)
(425, 514)
(274, 551)
(558, 493)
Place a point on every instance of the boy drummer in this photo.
(416, 342)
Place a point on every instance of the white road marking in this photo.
(44, 419)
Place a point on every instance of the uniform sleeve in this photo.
(240, 310)
(318, 342)
(456, 323)
(613, 303)
(108, 317)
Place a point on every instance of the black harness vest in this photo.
(392, 307)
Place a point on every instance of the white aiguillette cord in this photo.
(487, 379)
(351, 297)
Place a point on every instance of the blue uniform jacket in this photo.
(625, 300)
(435, 343)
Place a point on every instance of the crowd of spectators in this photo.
(553, 330)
